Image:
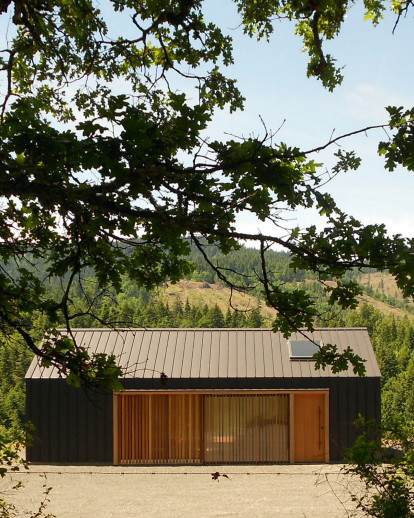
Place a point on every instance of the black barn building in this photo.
(205, 396)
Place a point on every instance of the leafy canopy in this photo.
(105, 166)
(387, 473)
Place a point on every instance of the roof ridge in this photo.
(119, 329)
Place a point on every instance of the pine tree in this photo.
(254, 319)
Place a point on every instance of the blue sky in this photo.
(272, 76)
(378, 72)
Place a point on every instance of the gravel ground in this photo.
(300, 491)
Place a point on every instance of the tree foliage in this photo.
(387, 472)
(92, 178)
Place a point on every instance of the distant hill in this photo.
(242, 267)
(198, 293)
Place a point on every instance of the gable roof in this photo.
(214, 353)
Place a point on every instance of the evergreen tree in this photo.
(14, 362)
(228, 318)
(238, 319)
(254, 318)
(213, 318)
(177, 313)
(409, 397)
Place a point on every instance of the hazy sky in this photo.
(378, 72)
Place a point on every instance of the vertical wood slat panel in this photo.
(122, 426)
(134, 430)
(115, 421)
(153, 429)
(181, 432)
(292, 428)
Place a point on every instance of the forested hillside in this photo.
(201, 301)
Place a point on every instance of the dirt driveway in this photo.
(174, 492)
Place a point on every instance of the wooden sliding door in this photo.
(157, 428)
(246, 428)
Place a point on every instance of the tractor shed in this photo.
(205, 396)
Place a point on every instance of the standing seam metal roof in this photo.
(214, 353)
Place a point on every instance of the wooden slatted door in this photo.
(310, 427)
(246, 428)
(157, 428)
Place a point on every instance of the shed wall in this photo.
(71, 425)
(77, 427)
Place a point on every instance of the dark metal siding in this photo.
(71, 425)
(75, 427)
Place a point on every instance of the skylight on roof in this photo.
(303, 349)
